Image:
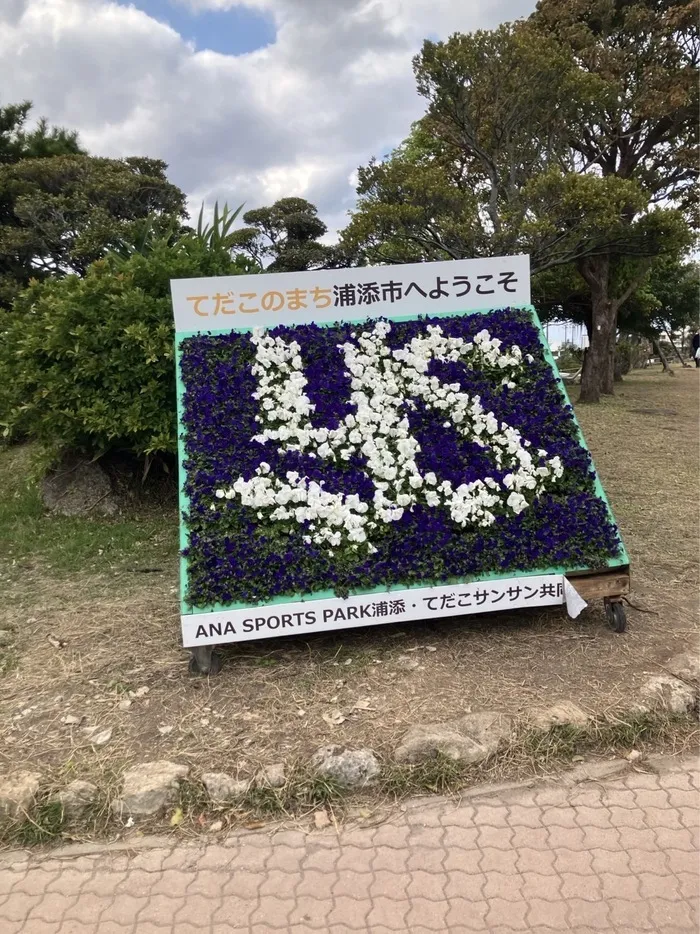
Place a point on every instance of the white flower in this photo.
(517, 502)
(384, 385)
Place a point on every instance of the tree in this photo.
(640, 124)
(667, 302)
(86, 363)
(285, 236)
(61, 208)
(58, 215)
(495, 168)
(16, 143)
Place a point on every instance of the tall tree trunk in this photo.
(661, 355)
(673, 344)
(607, 382)
(598, 375)
(598, 364)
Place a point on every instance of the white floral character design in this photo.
(384, 384)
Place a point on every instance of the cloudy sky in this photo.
(245, 101)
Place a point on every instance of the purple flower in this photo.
(234, 557)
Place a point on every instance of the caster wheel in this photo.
(617, 618)
(214, 666)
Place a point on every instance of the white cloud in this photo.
(294, 118)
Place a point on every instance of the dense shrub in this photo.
(86, 365)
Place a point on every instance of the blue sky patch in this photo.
(231, 32)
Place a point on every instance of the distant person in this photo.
(696, 348)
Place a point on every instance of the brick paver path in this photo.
(617, 855)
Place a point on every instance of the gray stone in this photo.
(563, 713)
(472, 738)
(351, 768)
(273, 776)
(7, 637)
(222, 787)
(76, 798)
(686, 666)
(98, 736)
(149, 788)
(17, 792)
(664, 692)
(79, 488)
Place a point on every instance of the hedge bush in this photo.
(86, 365)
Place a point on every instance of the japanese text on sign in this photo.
(346, 295)
(371, 609)
(335, 295)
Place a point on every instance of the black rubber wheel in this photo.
(214, 668)
(617, 618)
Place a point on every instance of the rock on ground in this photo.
(76, 798)
(17, 792)
(222, 787)
(560, 714)
(273, 776)
(351, 768)
(472, 738)
(686, 666)
(78, 488)
(149, 788)
(664, 692)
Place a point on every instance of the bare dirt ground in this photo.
(98, 646)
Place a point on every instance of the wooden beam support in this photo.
(597, 586)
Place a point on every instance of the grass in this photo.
(65, 545)
(45, 825)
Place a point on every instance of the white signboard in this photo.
(241, 303)
(393, 606)
(229, 302)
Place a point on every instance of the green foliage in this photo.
(17, 143)
(219, 233)
(561, 137)
(162, 230)
(58, 215)
(44, 826)
(285, 235)
(669, 297)
(638, 60)
(86, 365)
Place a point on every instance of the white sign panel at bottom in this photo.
(393, 606)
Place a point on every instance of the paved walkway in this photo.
(616, 855)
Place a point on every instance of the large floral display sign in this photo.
(372, 445)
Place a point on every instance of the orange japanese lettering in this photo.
(321, 297)
(198, 299)
(251, 296)
(272, 301)
(222, 304)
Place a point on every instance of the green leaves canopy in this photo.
(285, 237)
(86, 364)
(59, 214)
